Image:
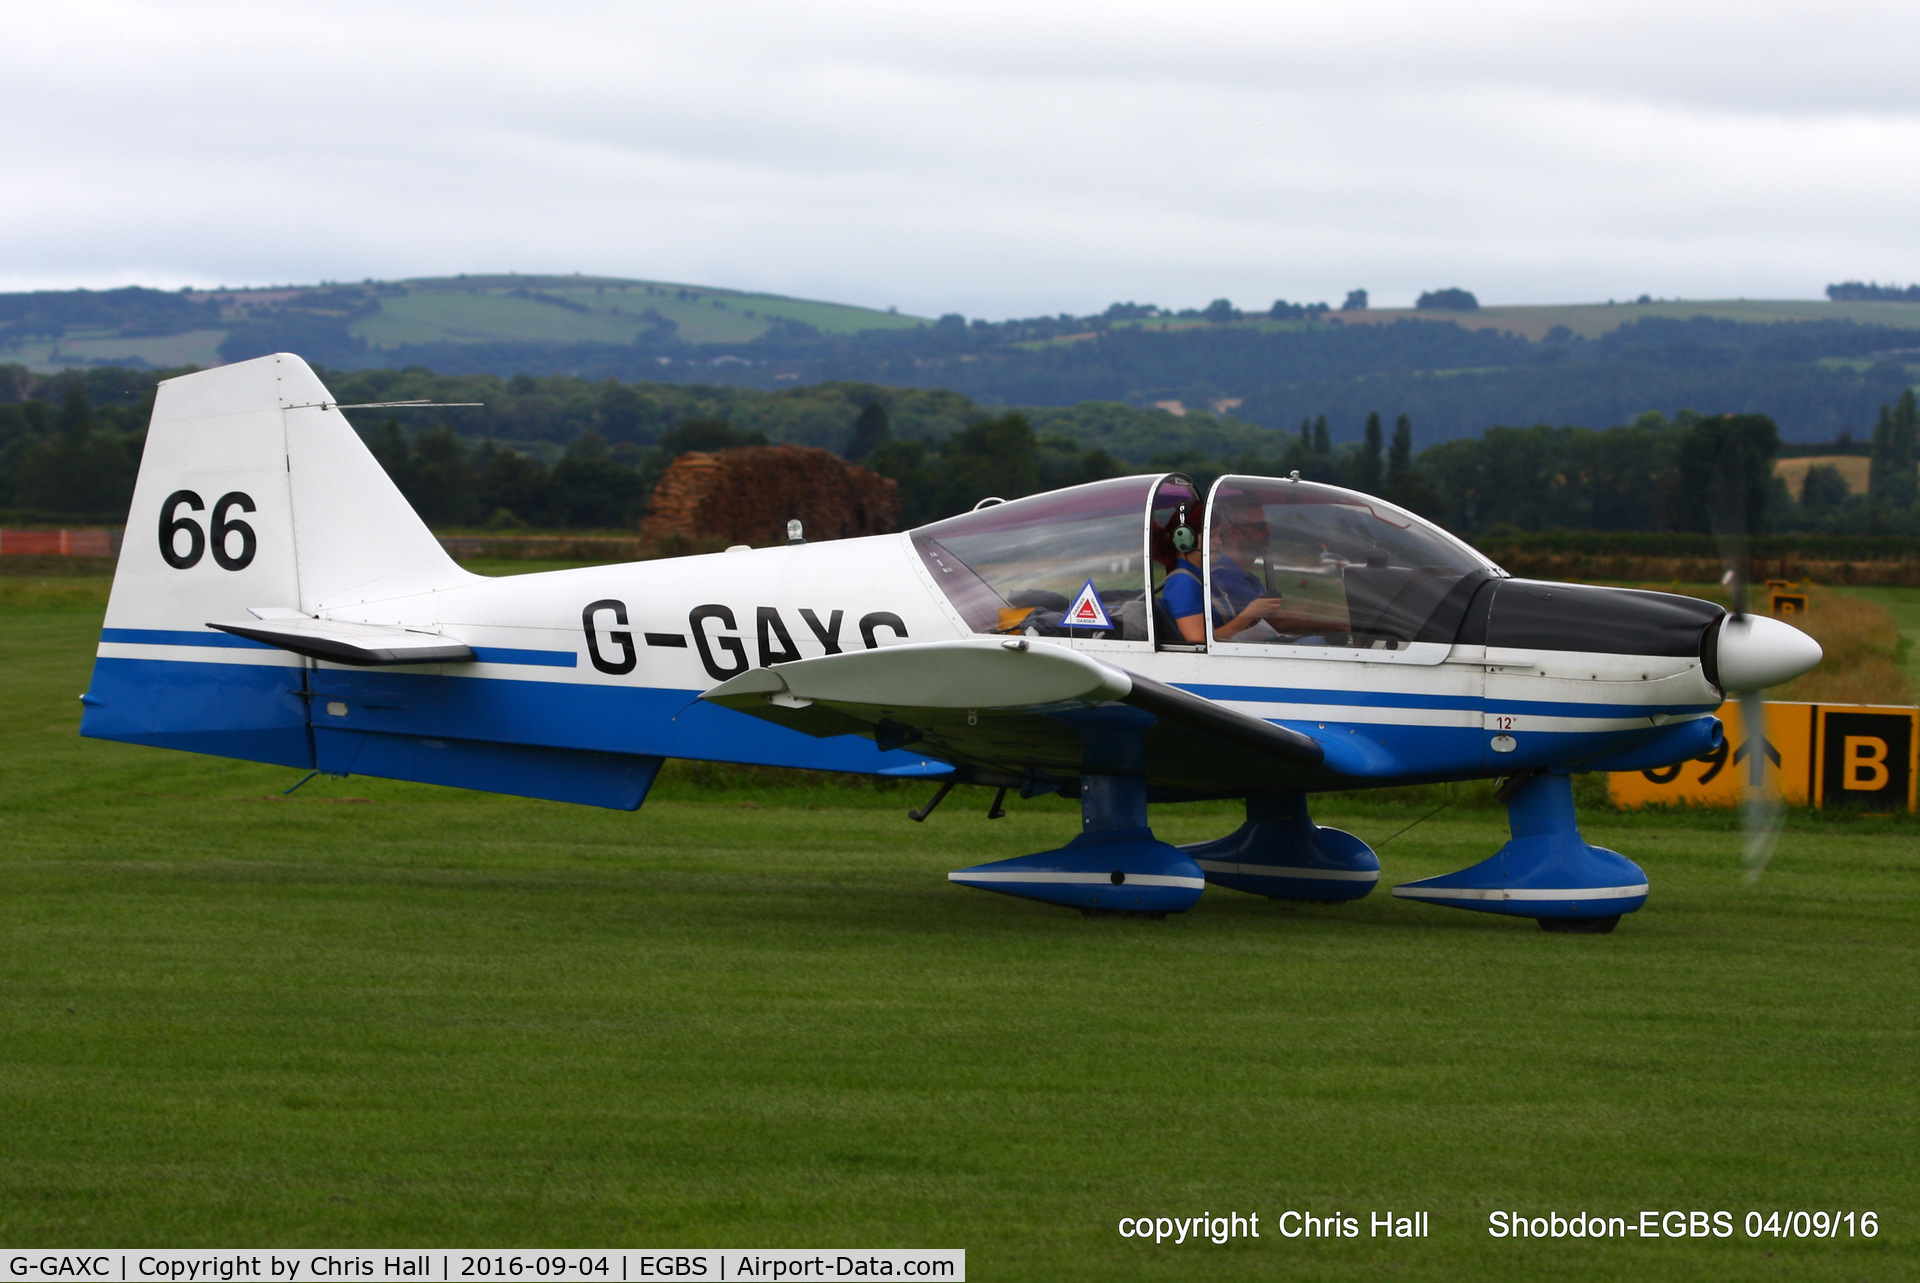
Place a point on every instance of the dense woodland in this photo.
(559, 452)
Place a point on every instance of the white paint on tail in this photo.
(256, 449)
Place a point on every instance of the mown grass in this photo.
(1903, 605)
(1866, 660)
(232, 1017)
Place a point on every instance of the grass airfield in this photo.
(378, 1014)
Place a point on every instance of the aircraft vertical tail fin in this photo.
(255, 496)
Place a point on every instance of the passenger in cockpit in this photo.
(1240, 601)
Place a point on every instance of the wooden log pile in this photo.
(747, 496)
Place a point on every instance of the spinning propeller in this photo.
(1747, 653)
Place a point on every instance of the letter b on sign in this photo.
(1866, 759)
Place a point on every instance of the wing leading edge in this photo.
(1007, 708)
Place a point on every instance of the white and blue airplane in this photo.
(1123, 642)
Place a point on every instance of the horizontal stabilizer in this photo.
(362, 645)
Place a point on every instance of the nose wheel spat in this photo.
(1546, 871)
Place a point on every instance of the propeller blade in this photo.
(1761, 814)
(1728, 518)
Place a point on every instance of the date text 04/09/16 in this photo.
(1685, 1224)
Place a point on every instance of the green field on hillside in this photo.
(1591, 320)
(474, 309)
(560, 309)
(593, 309)
(190, 347)
(377, 1014)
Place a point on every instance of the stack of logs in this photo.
(747, 496)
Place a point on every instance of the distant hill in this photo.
(1821, 369)
(1592, 320)
(356, 324)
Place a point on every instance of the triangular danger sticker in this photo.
(1086, 611)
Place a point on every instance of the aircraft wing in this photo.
(1006, 707)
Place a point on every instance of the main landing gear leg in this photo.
(1546, 872)
(1116, 865)
(1281, 853)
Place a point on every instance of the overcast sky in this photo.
(996, 159)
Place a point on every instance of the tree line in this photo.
(1814, 378)
(564, 453)
(1862, 291)
(60, 452)
(1653, 474)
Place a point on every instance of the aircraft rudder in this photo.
(255, 497)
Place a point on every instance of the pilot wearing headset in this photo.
(1240, 601)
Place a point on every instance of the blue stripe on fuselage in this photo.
(196, 705)
(1240, 694)
(537, 658)
(175, 637)
(1455, 703)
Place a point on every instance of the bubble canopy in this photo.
(1018, 566)
(1330, 567)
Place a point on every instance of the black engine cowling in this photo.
(1528, 614)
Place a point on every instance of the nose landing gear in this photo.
(1547, 871)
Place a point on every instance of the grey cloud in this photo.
(992, 158)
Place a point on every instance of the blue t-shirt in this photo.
(1233, 590)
